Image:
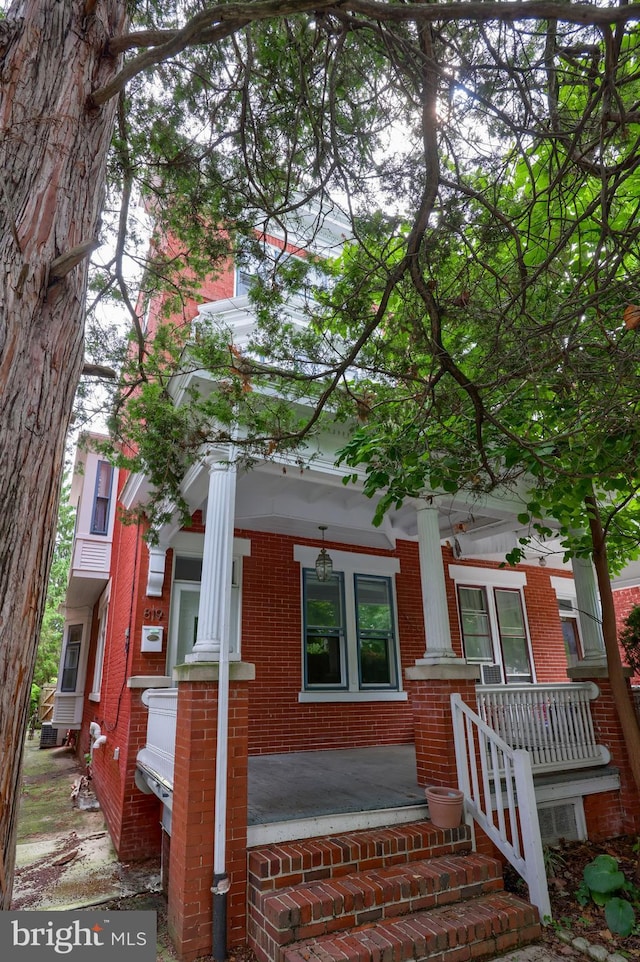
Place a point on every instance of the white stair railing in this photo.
(552, 722)
(497, 783)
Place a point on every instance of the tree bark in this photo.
(617, 680)
(53, 151)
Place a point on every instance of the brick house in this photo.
(236, 692)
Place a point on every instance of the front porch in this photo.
(276, 802)
(307, 794)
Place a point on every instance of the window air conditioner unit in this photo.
(491, 674)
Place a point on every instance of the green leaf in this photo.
(620, 916)
(602, 875)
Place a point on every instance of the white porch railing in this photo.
(158, 754)
(552, 722)
(497, 783)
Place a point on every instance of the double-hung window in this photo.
(325, 655)
(375, 630)
(71, 662)
(350, 643)
(102, 499)
(493, 624)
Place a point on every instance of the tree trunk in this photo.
(53, 159)
(619, 688)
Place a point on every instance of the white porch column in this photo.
(434, 593)
(588, 611)
(217, 564)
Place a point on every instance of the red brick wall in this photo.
(132, 817)
(545, 628)
(435, 749)
(603, 815)
(613, 813)
(624, 599)
(190, 906)
(542, 611)
(272, 640)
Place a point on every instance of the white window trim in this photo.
(565, 588)
(103, 618)
(186, 543)
(350, 563)
(489, 578)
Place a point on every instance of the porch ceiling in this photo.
(294, 501)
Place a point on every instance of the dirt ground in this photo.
(565, 866)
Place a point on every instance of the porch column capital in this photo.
(589, 616)
(438, 649)
(217, 563)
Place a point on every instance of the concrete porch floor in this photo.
(303, 792)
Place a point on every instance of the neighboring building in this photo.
(356, 663)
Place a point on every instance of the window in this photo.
(102, 499)
(476, 630)
(570, 631)
(103, 614)
(253, 268)
(324, 633)
(349, 632)
(569, 619)
(71, 658)
(376, 640)
(494, 630)
(513, 636)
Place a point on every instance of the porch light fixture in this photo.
(324, 564)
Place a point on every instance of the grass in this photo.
(45, 800)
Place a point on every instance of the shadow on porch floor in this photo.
(309, 785)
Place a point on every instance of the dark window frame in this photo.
(71, 663)
(101, 501)
(389, 636)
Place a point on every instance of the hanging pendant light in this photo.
(324, 564)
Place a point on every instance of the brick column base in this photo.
(190, 901)
(430, 688)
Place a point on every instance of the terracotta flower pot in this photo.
(445, 806)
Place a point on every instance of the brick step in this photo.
(315, 908)
(478, 928)
(279, 866)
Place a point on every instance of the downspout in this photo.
(221, 882)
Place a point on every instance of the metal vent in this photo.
(491, 674)
(559, 820)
